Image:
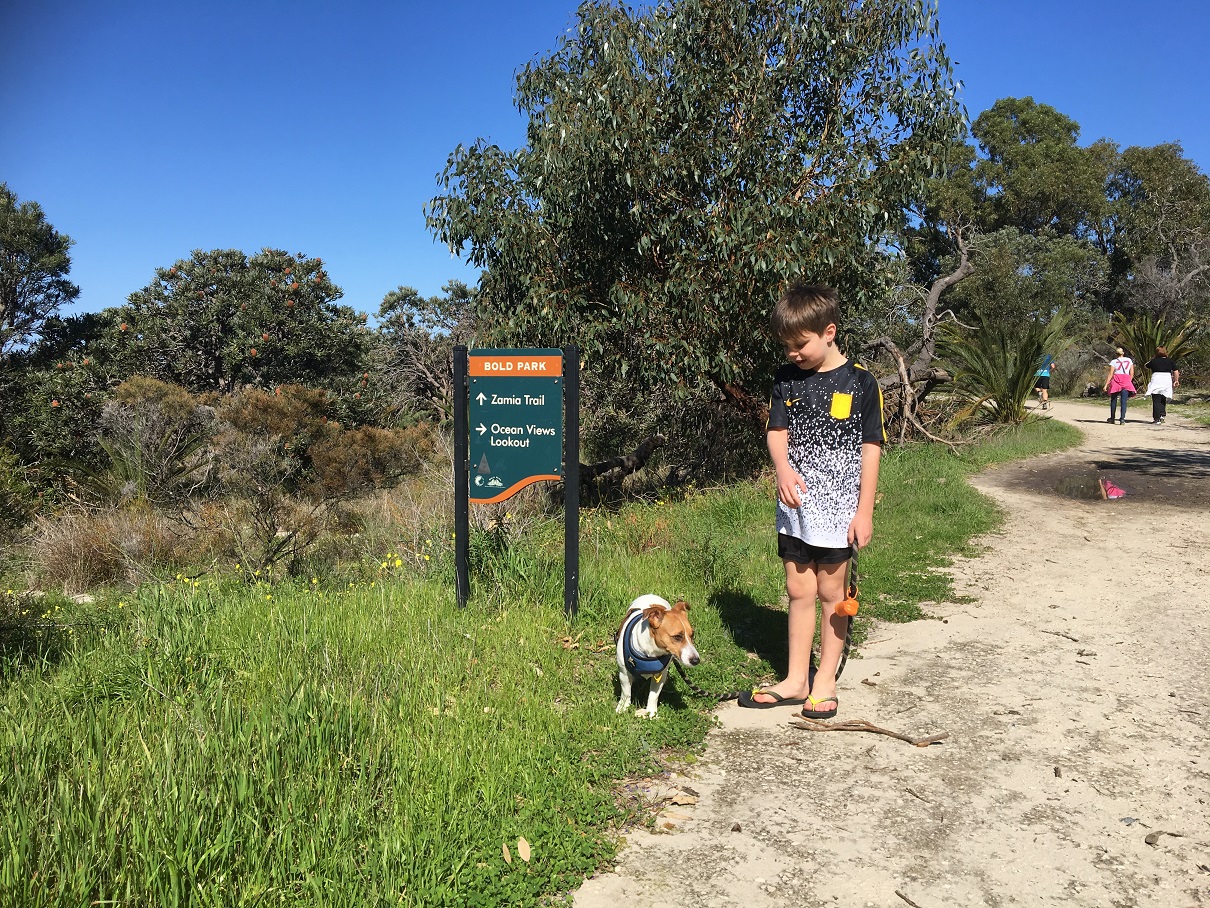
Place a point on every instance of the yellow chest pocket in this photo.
(842, 405)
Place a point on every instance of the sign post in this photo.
(462, 516)
(510, 410)
(571, 481)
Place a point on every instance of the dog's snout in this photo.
(695, 659)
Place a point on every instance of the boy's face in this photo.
(808, 350)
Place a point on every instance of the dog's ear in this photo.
(680, 606)
(655, 615)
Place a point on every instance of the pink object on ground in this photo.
(1109, 490)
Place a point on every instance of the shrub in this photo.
(316, 456)
(287, 465)
(84, 550)
(709, 440)
(261, 532)
(349, 462)
(48, 417)
(17, 496)
(155, 436)
(1073, 370)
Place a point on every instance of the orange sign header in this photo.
(514, 366)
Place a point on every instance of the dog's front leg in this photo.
(625, 680)
(653, 695)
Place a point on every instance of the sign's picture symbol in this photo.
(483, 467)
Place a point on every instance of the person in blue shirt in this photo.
(1042, 381)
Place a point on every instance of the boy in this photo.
(825, 437)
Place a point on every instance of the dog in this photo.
(652, 635)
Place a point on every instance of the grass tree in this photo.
(994, 365)
(1142, 335)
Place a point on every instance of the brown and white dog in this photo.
(652, 635)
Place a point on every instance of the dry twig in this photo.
(863, 725)
(1061, 634)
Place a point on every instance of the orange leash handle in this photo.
(847, 606)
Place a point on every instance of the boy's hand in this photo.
(789, 484)
(861, 531)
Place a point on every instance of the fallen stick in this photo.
(863, 725)
(1061, 634)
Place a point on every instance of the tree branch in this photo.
(624, 465)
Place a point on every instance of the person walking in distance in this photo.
(1042, 380)
(1165, 376)
(1119, 384)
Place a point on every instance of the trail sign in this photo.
(515, 416)
(516, 421)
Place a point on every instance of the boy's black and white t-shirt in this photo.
(829, 416)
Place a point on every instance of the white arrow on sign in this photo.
(482, 428)
(481, 398)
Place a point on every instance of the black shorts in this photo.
(791, 548)
(1042, 381)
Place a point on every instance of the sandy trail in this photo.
(1075, 687)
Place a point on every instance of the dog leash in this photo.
(851, 597)
(721, 698)
(850, 611)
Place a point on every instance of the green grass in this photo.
(1199, 412)
(367, 743)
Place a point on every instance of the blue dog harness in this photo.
(641, 665)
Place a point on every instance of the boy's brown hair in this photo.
(805, 307)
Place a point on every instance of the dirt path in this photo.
(1075, 688)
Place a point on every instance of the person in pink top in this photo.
(1119, 384)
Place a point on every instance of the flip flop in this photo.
(746, 701)
(820, 713)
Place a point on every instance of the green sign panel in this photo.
(515, 416)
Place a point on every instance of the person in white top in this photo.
(1119, 385)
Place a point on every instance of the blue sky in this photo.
(149, 128)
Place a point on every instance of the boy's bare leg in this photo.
(801, 589)
(830, 580)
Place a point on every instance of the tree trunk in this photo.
(903, 381)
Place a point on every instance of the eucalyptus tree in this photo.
(683, 162)
(1034, 175)
(1162, 207)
